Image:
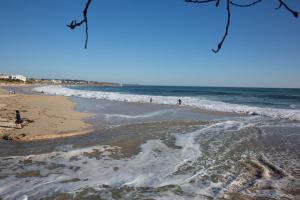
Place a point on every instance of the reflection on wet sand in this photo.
(172, 153)
(220, 160)
(137, 134)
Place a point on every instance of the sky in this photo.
(152, 42)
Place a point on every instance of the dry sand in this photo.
(45, 117)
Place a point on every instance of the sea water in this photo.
(220, 143)
(277, 103)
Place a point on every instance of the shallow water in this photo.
(217, 160)
(149, 151)
(271, 102)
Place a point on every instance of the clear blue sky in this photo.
(161, 42)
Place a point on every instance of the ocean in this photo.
(278, 103)
(220, 143)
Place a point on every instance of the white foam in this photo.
(145, 115)
(157, 165)
(292, 114)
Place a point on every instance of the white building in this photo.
(17, 77)
(56, 81)
(3, 76)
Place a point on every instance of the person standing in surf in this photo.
(179, 101)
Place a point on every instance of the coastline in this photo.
(130, 143)
(45, 117)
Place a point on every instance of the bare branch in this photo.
(74, 24)
(226, 30)
(232, 3)
(281, 3)
(245, 5)
(200, 1)
(229, 3)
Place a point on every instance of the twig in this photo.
(281, 3)
(74, 24)
(232, 3)
(245, 5)
(200, 1)
(226, 30)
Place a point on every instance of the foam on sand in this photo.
(156, 165)
(201, 165)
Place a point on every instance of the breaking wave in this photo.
(196, 101)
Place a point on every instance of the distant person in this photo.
(19, 120)
(179, 101)
(150, 100)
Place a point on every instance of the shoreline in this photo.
(45, 117)
(60, 131)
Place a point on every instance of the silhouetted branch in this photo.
(226, 30)
(245, 5)
(232, 3)
(229, 3)
(281, 3)
(200, 1)
(74, 24)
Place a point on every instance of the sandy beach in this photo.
(45, 117)
(149, 150)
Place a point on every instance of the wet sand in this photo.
(212, 162)
(45, 117)
(147, 151)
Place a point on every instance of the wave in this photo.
(198, 102)
(95, 166)
(202, 157)
(146, 115)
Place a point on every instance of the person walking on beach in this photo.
(19, 120)
(150, 100)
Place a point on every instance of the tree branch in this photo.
(226, 30)
(74, 24)
(245, 5)
(200, 1)
(229, 3)
(232, 3)
(281, 3)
